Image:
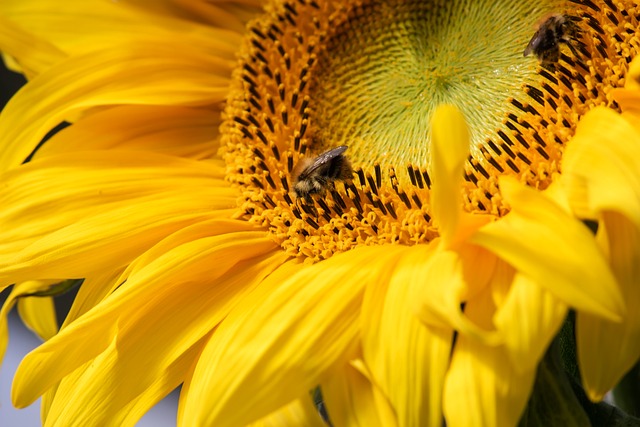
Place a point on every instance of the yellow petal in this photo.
(602, 162)
(94, 394)
(79, 26)
(282, 338)
(607, 350)
(82, 395)
(93, 290)
(142, 312)
(300, 412)
(19, 290)
(482, 387)
(352, 399)
(192, 76)
(445, 287)
(406, 359)
(45, 403)
(63, 209)
(39, 314)
(449, 151)
(36, 54)
(529, 319)
(176, 131)
(231, 15)
(576, 272)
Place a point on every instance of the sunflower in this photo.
(424, 279)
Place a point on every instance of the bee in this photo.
(554, 30)
(315, 176)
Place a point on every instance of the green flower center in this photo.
(386, 69)
(315, 75)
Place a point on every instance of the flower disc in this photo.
(315, 75)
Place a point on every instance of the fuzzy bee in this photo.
(554, 30)
(316, 175)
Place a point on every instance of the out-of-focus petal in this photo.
(449, 151)
(19, 290)
(446, 287)
(300, 412)
(39, 314)
(36, 54)
(175, 131)
(607, 350)
(601, 166)
(528, 319)
(482, 387)
(353, 400)
(80, 26)
(536, 228)
(411, 370)
(232, 15)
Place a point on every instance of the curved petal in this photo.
(410, 371)
(19, 290)
(445, 287)
(231, 15)
(39, 315)
(353, 400)
(192, 76)
(73, 398)
(150, 297)
(607, 350)
(577, 272)
(601, 166)
(90, 203)
(449, 151)
(528, 319)
(282, 339)
(79, 26)
(94, 289)
(300, 412)
(45, 403)
(175, 131)
(36, 54)
(482, 387)
(154, 337)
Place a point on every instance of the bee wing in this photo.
(322, 160)
(532, 44)
(529, 49)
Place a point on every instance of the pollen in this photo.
(314, 75)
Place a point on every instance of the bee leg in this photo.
(308, 205)
(573, 49)
(314, 209)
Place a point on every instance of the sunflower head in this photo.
(417, 133)
(368, 75)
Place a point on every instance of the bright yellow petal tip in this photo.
(558, 252)
(449, 151)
